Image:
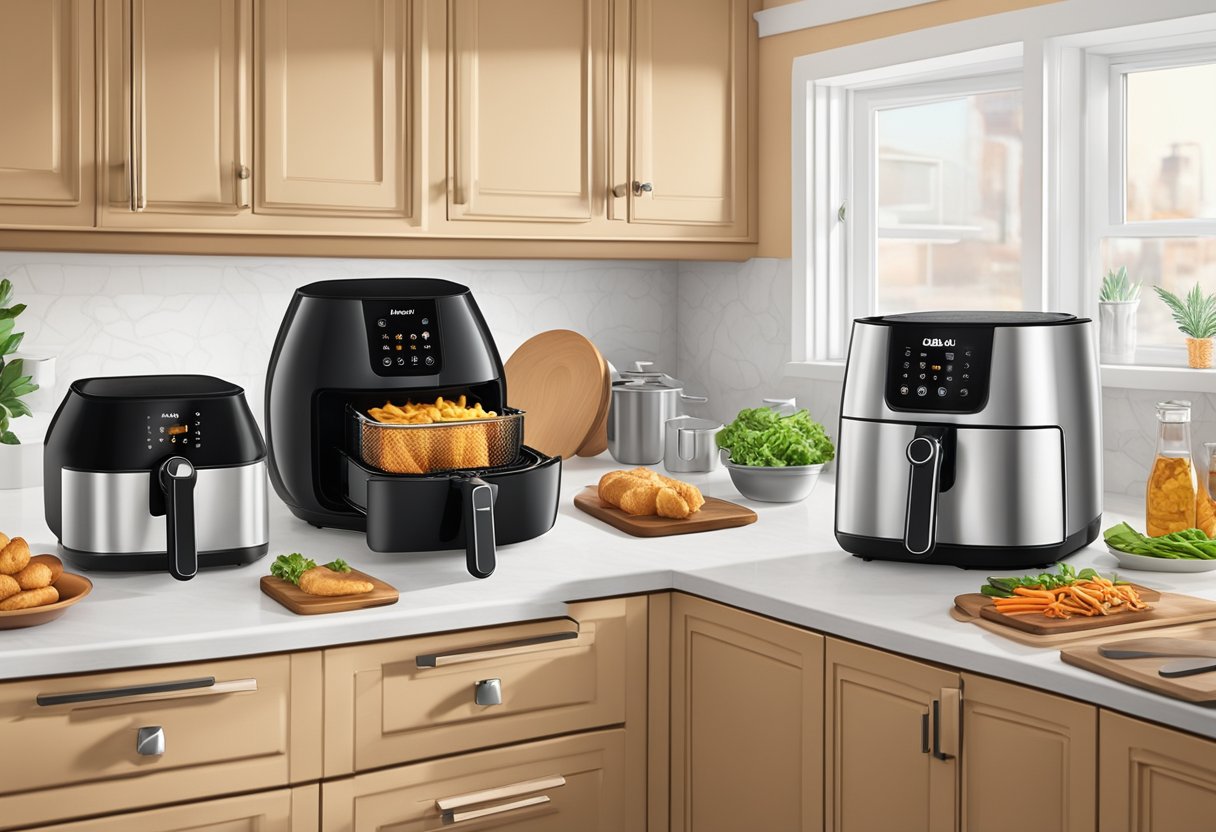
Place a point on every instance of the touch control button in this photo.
(429, 361)
(941, 391)
(963, 392)
(387, 362)
(903, 390)
(922, 390)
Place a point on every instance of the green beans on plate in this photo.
(1188, 544)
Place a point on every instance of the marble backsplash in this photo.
(733, 325)
(133, 314)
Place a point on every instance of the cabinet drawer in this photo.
(283, 810)
(399, 701)
(571, 783)
(256, 726)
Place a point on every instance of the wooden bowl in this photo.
(71, 588)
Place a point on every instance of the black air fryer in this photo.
(346, 346)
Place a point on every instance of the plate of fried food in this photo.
(644, 503)
(34, 589)
(306, 588)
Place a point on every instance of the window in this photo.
(1161, 204)
(1008, 162)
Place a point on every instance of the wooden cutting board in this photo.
(557, 379)
(1142, 673)
(715, 514)
(1168, 608)
(597, 440)
(301, 603)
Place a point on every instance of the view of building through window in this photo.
(948, 181)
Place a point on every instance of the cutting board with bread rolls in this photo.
(644, 503)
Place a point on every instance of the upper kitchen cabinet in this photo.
(690, 116)
(336, 87)
(175, 113)
(527, 97)
(46, 96)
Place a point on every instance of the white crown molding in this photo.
(807, 14)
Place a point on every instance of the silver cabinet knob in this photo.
(150, 741)
(488, 692)
(640, 188)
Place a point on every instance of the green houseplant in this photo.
(1118, 301)
(1195, 316)
(13, 382)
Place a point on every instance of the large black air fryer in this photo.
(348, 346)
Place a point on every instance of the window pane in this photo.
(1171, 143)
(949, 177)
(1176, 264)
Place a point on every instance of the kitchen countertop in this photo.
(787, 565)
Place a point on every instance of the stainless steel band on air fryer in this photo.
(108, 511)
(969, 438)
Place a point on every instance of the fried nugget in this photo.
(613, 486)
(8, 587)
(29, 599)
(3, 540)
(323, 581)
(641, 500)
(34, 576)
(688, 492)
(51, 562)
(669, 503)
(14, 557)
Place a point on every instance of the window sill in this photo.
(1120, 376)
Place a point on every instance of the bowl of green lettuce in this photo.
(773, 457)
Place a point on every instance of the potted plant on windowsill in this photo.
(1195, 316)
(1118, 300)
(19, 465)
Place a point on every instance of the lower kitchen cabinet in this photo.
(746, 721)
(1028, 759)
(570, 784)
(283, 810)
(890, 756)
(1154, 779)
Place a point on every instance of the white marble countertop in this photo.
(787, 565)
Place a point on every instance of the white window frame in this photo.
(1056, 46)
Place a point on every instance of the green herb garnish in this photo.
(337, 565)
(1065, 576)
(291, 567)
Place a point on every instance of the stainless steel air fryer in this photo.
(156, 472)
(969, 438)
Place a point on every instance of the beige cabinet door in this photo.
(1153, 779)
(571, 784)
(175, 118)
(334, 109)
(691, 137)
(46, 103)
(1019, 741)
(746, 721)
(527, 115)
(285, 810)
(883, 768)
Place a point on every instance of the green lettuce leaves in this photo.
(762, 437)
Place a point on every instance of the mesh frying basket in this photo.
(442, 446)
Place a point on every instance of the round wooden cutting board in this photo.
(557, 379)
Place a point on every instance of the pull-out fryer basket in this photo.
(442, 446)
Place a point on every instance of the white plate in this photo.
(1145, 563)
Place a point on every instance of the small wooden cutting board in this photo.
(715, 514)
(1143, 672)
(301, 603)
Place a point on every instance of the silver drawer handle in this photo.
(182, 689)
(150, 741)
(494, 651)
(474, 814)
(488, 692)
(460, 801)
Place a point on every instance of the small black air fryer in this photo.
(346, 346)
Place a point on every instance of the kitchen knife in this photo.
(1140, 648)
(1187, 667)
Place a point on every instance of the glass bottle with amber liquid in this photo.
(1205, 501)
(1173, 489)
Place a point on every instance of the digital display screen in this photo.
(177, 430)
(938, 369)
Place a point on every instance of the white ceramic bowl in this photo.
(773, 485)
(1145, 563)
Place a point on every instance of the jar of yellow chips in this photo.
(1173, 489)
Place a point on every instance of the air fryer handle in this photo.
(477, 506)
(177, 478)
(924, 483)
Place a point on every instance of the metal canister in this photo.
(691, 445)
(642, 403)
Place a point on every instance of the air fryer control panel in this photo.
(938, 369)
(403, 337)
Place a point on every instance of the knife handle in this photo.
(1187, 667)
